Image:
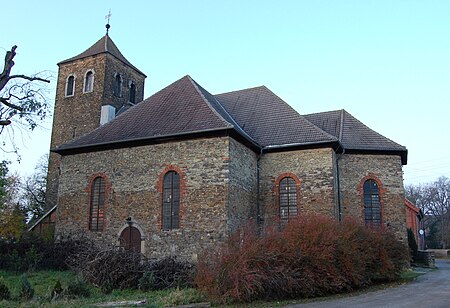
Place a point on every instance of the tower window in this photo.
(70, 85)
(372, 210)
(132, 97)
(89, 82)
(117, 85)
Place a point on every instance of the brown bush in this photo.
(311, 256)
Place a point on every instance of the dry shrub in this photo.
(311, 256)
(106, 267)
(167, 273)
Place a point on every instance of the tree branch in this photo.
(28, 78)
(5, 122)
(10, 105)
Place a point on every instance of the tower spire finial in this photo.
(107, 17)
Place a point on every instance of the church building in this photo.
(181, 170)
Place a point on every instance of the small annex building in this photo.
(180, 171)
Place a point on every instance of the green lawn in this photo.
(43, 283)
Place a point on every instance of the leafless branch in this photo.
(29, 78)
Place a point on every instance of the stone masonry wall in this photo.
(128, 75)
(313, 168)
(74, 115)
(79, 114)
(134, 176)
(242, 186)
(388, 170)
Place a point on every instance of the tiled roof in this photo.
(269, 120)
(256, 114)
(180, 108)
(353, 134)
(103, 45)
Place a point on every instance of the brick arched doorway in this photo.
(130, 239)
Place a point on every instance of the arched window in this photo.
(117, 86)
(171, 201)
(372, 210)
(97, 204)
(88, 82)
(288, 198)
(70, 85)
(132, 98)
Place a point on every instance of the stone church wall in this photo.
(354, 169)
(135, 177)
(314, 170)
(242, 186)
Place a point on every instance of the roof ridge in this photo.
(341, 128)
(106, 42)
(196, 86)
(348, 113)
(245, 89)
(235, 124)
(301, 116)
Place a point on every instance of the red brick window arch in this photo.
(98, 190)
(372, 209)
(372, 192)
(287, 188)
(172, 188)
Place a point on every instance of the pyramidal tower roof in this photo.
(103, 45)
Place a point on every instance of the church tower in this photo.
(92, 88)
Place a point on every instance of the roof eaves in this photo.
(302, 144)
(403, 153)
(66, 149)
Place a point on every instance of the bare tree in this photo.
(34, 191)
(434, 200)
(23, 102)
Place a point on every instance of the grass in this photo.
(43, 283)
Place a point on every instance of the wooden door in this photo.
(130, 239)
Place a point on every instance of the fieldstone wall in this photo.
(129, 75)
(314, 170)
(79, 114)
(242, 186)
(134, 176)
(354, 169)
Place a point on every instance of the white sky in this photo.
(385, 62)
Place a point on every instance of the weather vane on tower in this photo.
(107, 17)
